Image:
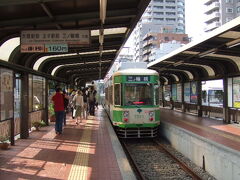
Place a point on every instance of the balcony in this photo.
(180, 4)
(148, 36)
(212, 17)
(212, 7)
(147, 44)
(145, 58)
(207, 2)
(180, 16)
(212, 26)
(180, 21)
(147, 51)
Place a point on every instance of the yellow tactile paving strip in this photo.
(79, 169)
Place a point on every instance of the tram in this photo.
(132, 101)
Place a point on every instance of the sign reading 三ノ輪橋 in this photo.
(53, 40)
(138, 78)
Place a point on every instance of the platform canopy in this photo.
(110, 23)
(214, 55)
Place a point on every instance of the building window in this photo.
(166, 38)
(158, 7)
(228, 1)
(228, 19)
(185, 38)
(158, 19)
(170, 1)
(158, 1)
(7, 94)
(170, 13)
(158, 13)
(38, 92)
(238, 9)
(229, 10)
(117, 94)
(170, 19)
(170, 7)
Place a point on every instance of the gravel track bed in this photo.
(196, 169)
(156, 164)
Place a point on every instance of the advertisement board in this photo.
(174, 92)
(187, 92)
(194, 92)
(236, 92)
(179, 92)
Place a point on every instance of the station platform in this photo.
(209, 143)
(86, 151)
(216, 130)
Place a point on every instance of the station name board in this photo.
(53, 40)
(138, 78)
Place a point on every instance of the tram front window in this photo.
(138, 94)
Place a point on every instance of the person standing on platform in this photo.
(92, 100)
(78, 100)
(59, 110)
(72, 103)
(85, 101)
(65, 102)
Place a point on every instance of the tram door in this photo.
(17, 103)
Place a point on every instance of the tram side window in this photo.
(156, 93)
(111, 95)
(117, 94)
(106, 94)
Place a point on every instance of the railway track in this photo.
(151, 160)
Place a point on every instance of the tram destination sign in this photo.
(138, 78)
(53, 40)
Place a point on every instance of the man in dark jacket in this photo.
(65, 102)
(59, 110)
(92, 99)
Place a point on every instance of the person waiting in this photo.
(78, 101)
(59, 110)
(92, 100)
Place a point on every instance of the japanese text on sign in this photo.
(32, 48)
(138, 78)
(79, 37)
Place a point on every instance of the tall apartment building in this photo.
(218, 12)
(165, 17)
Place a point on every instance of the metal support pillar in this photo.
(163, 104)
(226, 118)
(12, 140)
(183, 103)
(199, 98)
(171, 99)
(46, 103)
(24, 133)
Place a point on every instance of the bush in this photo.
(4, 138)
(51, 109)
(38, 124)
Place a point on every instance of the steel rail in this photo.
(136, 170)
(182, 165)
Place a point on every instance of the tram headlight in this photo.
(151, 115)
(125, 116)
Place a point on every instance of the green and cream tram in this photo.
(132, 102)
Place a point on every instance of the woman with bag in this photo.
(78, 101)
(72, 104)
